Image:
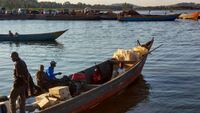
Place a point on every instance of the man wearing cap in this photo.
(50, 71)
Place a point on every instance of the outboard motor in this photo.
(4, 104)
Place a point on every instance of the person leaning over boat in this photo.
(42, 79)
(50, 71)
(53, 81)
(21, 81)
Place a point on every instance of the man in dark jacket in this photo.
(21, 82)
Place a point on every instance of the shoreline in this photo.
(58, 17)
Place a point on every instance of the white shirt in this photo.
(120, 70)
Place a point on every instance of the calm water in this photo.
(171, 76)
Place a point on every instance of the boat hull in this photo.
(149, 18)
(190, 16)
(97, 95)
(32, 37)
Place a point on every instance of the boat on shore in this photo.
(32, 37)
(93, 94)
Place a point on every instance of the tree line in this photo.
(11, 4)
(14, 4)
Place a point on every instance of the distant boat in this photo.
(190, 16)
(199, 16)
(32, 37)
(132, 15)
(148, 18)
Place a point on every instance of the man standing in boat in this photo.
(21, 81)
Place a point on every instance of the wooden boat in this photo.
(148, 18)
(190, 16)
(96, 93)
(199, 16)
(32, 37)
(129, 98)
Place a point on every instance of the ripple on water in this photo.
(172, 71)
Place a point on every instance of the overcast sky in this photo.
(136, 2)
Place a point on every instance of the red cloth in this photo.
(96, 77)
(78, 76)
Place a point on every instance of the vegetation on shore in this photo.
(14, 4)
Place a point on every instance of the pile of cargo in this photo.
(133, 54)
(54, 96)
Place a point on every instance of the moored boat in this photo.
(95, 93)
(190, 16)
(132, 15)
(32, 37)
(148, 18)
(199, 16)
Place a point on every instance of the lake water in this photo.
(171, 75)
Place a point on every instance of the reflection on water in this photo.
(122, 102)
(39, 43)
(173, 70)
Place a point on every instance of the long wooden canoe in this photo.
(149, 18)
(100, 92)
(32, 37)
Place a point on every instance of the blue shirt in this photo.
(50, 73)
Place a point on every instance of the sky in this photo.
(136, 2)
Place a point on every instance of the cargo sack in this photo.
(125, 55)
(131, 56)
(119, 54)
(140, 51)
